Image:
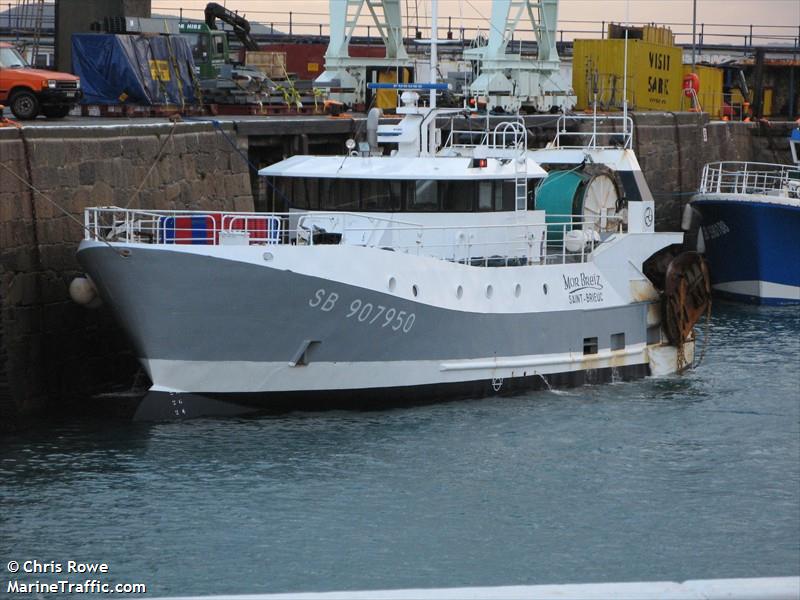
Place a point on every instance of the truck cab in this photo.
(29, 92)
(209, 48)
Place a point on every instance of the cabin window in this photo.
(590, 345)
(508, 199)
(220, 46)
(485, 195)
(347, 194)
(374, 194)
(490, 195)
(457, 196)
(325, 194)
(426, 197)
(380, 195)
(398, 191)
(532, 183)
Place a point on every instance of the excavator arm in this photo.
(241, 26)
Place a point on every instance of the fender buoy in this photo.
(83, 292)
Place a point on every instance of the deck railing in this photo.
(554, 239)
(507, 138)
(749, 178)
(603, 131)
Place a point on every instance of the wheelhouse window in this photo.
(457, 196)
(426, 197)
(380, 195)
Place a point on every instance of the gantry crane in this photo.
(510, 81)
(346, 76)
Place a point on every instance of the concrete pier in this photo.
(55, 354)
(764, 588)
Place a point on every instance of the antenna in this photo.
(595, 90)
(625, 71)
(434, 67)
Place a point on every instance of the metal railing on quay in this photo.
(466, 28)
(555, 239)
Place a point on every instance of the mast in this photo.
(434, 49)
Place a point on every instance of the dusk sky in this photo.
(782, 13)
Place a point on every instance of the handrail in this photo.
(745, 177)
(506, 135)
(545, 240)
(589, 139)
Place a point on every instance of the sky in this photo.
(579, 18)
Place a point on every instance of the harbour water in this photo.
(660, 479)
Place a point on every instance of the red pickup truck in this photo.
(29, 91)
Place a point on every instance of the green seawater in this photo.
(659, 479)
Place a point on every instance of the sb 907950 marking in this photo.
(366, 312)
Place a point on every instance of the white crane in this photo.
(346, 76)
(510, 81)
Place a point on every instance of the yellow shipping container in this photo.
(766, 107)
(654, 74)
(658, 35)
(710, 94)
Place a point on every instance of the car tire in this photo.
(56, 112)
(24, 105)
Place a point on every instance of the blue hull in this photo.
(753, 249)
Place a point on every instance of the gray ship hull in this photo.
(221, 336)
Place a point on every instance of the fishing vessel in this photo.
(419, 266)
(750, 223)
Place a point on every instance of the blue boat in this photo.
(751, 228)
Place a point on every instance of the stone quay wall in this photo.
(52, 351)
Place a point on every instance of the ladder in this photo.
(512, 136)
(521, 181)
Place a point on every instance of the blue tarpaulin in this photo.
(133, 69)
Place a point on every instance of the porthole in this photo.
(517, 291)
(392, 284)
(268, 256)
(459, 292)
(415, 290)
(489, 291)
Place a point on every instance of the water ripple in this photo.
(672, 478)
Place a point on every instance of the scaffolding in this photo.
(26, 22)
